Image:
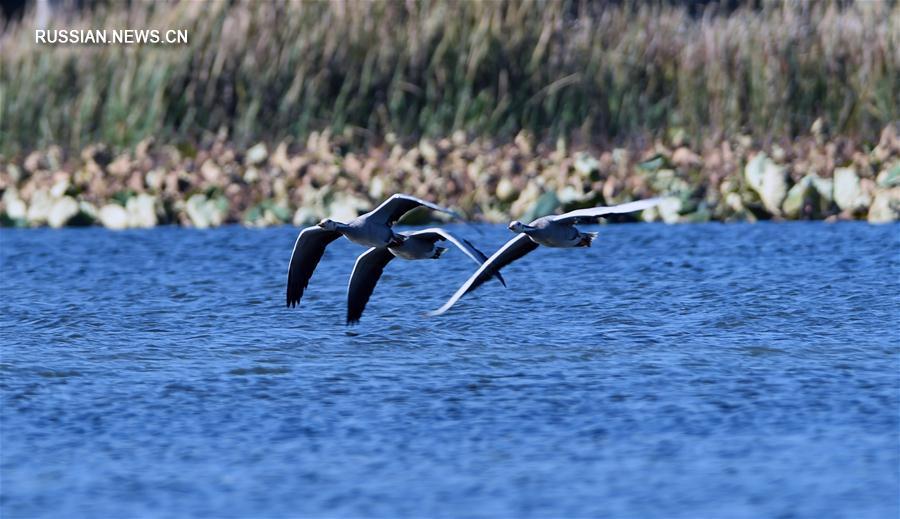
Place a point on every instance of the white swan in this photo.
(373, 229)
(551, 231)
(416, 245)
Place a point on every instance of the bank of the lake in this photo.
(214, 183)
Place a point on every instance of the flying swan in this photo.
(416, 245)
(373, 229)
(551, 231)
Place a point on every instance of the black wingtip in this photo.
(352, 319)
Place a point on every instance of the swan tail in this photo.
(587, 239)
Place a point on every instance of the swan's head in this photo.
(328, 224)
(517, 226)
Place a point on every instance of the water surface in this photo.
(669, 371)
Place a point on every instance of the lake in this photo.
(669, 371)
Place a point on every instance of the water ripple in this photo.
(691, 371)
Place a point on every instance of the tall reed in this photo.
(267, 70)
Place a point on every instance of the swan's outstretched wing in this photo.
(396, 206)
(308, 250)
(366, 272)
(435, 234)
(511, 251)
(592, 213)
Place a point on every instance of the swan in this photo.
(373, 229)
(416, 245)
(556, 231)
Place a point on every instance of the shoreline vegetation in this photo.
(285, 112)
(265, 71)
(300, 183)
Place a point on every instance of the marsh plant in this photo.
(269, 70)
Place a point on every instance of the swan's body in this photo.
(366, 232)
(419, 245)
(557, 231)
(547, 232)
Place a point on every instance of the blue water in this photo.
(669, 371)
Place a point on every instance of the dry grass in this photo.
(269, 70)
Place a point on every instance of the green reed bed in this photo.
(268, 70)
